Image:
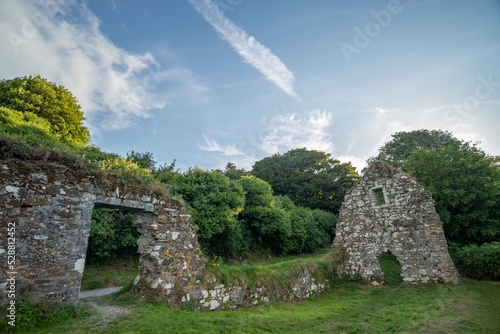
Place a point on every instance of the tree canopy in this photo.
(404, 144)
(310, 178)
(233, 173)
(49, 101)
(465, 183)
(462, 179)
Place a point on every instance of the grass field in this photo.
(471, 307)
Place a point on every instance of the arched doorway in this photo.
(391, 268)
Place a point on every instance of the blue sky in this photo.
(208, 82)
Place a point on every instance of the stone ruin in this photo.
(389, 212)
(45, 210)
(48, 206)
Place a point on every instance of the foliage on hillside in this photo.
(49, 101)
(35, 132)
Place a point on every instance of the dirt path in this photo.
(98, 292)
(108, 312)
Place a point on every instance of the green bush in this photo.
(478, 262)
(112, 235)
(326, 221)
(270, 227)
(122, 164)
(278, 226)
(214, 201)
(31, 316)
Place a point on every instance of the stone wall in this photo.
(389, 212)
(214, 295)
(45, 209)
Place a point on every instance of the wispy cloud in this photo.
(279, 133)
(211, 145)
(62, 41)
(293, 130)
(252, 52)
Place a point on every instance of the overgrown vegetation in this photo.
(237, 217)
(31, 316)
(112, 235)
(274, 273)
(478, 262)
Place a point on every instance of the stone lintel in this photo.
(127, 204)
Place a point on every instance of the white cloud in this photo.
(280, 133)
(252, 52)
(211, 145)
(357, 162)
(292, 130)
(62, 41)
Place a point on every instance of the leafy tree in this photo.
(465, 183)
(143, 160)
(404, 144)
(257, 192)
(269, 226)
(168, 175)
(233, 173)
(310, 178)
(214, 201)
(49, 101)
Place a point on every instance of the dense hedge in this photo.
(478, 262)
